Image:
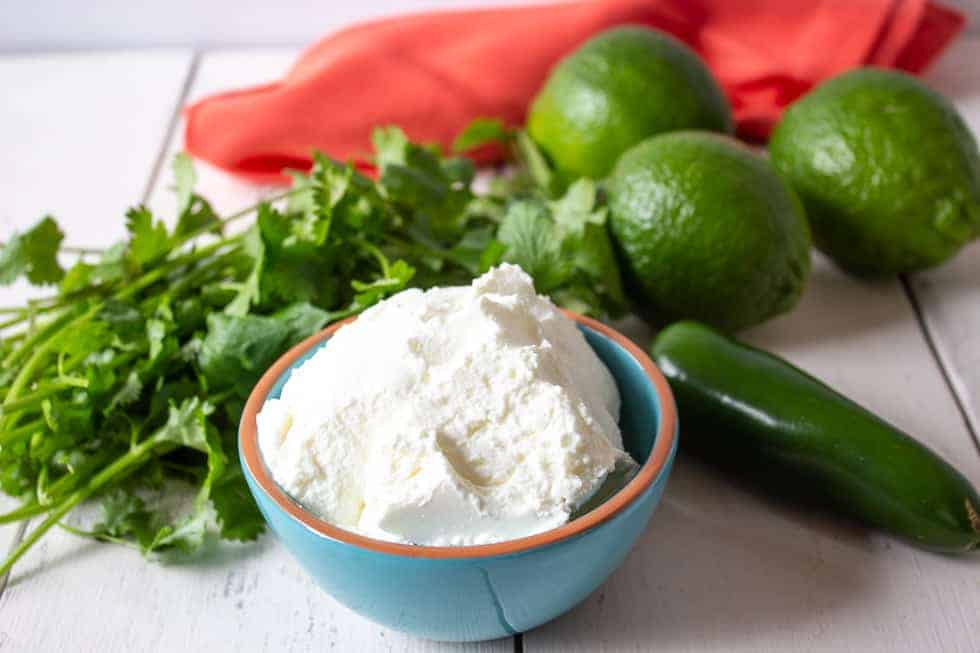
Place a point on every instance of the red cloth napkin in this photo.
(433, 73)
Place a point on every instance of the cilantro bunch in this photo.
(127, 381)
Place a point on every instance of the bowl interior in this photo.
(638, 415)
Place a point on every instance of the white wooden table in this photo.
(719, 569)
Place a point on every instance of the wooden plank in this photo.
(80, 134)
(238, 597)
(949, 296)
(723, 569)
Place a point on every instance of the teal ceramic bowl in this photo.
(479, 592)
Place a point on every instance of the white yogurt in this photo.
(455, 416)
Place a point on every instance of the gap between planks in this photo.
(945, 368)
(144, 198)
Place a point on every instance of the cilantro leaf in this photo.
(390, 146)
(565, 247)
(198, 218)
(248, 292)
(537, 164)
(66, 425)
(300, 320)
(148, 239)
(301, 202)
(529, 235)
(156, 336)
(113, 266)
(573, 211)
(185, 534)
(290, 261)
(482, 131)
(33, 254)
(124, 516)
(123, 319)
(416, 179)
(18, 475)
(184, 179)
(370, 293)
(194, 213)
(330, 187)
(127, 393)
(237, 349)
(186, 425)
(85, 339)
(478, 250)
(235, 509)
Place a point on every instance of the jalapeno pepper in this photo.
(756, 413)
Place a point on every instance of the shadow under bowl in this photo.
(474, 593)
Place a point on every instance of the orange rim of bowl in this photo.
(649, 471)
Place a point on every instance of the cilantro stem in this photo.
(185, 469)
(42, 305)
(23, 512)
(32, 537)
(342, 313)
(38, 303)
(101, 537)
(156, 274)
(121, 468)
(25, 347)
(376, 253)
(268, 200)
(6, 324)
(47, 496)
(120, 360)
(8, 437)
(30, 399)
(207, 268)
(34, 310)
(428, 248)
(69, 249)
(237, 215)
(39, 354)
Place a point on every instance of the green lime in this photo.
(888, 171)
(620, 87)
(707, 230)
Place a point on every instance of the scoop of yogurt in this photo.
(455, 416)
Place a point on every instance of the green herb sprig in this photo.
(132, 374)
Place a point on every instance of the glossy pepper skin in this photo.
(756, 413)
